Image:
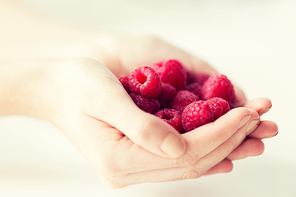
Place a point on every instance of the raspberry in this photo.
(218, 86)
(196, 114)
(149, 105)
(218, 106)
(145, 81)
(125, 82)
(201, 78)
(195, 88)
(182, 99)
(167, 92)
(190, 77)
(198, 78)
(171, 116)
(172, 72)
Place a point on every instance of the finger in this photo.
(253, 146)
(188, 172)
(250, 147)
(116, 108)
(110, 152)
(224, 166)
(266, 129)
(200, 142)
(261, 105)
(206, 138)
(225, 148)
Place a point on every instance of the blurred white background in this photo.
(253, 42)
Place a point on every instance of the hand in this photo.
(130, 51)
(123, 143)
(126, 52)
(85, 100)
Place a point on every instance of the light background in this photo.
(252, 42)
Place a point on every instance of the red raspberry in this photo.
(167, 92)
(125, 82)
(218, 106)
(195, 88)
(218, 86)
(201, 78)
(190, 77)
(172, 72)
(145, 81)
(149, 105)
(182, 99)
(198, 78)
(171, 116)
(196, 114)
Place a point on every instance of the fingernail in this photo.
(263, 111)
(275, 134)
(244, 121)
(252, 126)
(173, 146)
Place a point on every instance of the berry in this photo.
(190, 77)
(182, 99)
(196, 114)
(172, 72)
(198, 78)
(145, 81)
(167, 92)
(201, 78)
(218, 86)
(149, 105)
(218, 106)
(177, 92)
(125, 82)
(171, 116)
(195, 88)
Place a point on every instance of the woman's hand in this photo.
(126, 52)
(124, 144)
(123, 53)
(86, 101)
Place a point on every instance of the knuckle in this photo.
(142, 129)
(108, 165)
(108, 170)
(190, 173)
(187, 160)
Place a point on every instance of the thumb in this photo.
(144, 129)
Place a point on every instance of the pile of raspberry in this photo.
(183, 99)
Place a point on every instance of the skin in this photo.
(76, 89)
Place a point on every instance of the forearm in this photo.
(19, 88)
(27, 35)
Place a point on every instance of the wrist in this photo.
(21, 90)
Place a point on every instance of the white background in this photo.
(252, 42)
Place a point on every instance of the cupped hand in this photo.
(85, 100)
(125, 145)
(128, 146)
(132, 51)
